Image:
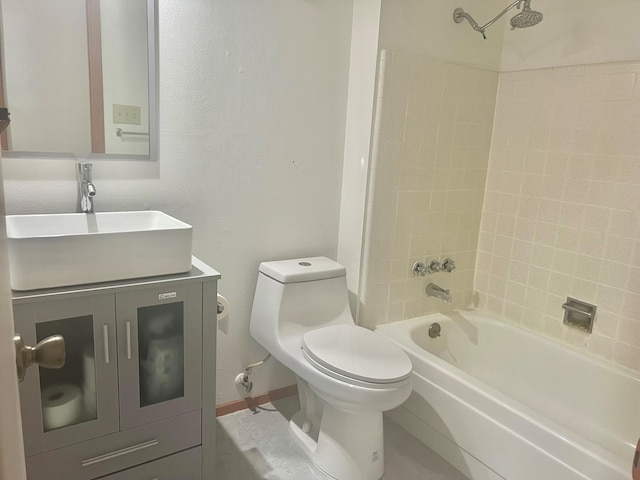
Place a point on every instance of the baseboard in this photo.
(252, 402)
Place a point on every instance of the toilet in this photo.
(347, 375)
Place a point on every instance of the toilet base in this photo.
(347, 446)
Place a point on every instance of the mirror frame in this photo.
(153, 84)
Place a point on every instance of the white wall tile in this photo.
(428, 183)
(577, 229)
(558, 187)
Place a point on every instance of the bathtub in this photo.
(497, 401)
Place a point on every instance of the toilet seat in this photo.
(356, 355)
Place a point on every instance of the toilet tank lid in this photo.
(302, 269)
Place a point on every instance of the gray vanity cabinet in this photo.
(132, 400)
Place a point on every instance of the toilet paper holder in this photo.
(223, 307)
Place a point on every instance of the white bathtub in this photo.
(498, 401)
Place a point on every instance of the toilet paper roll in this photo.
(61, 405)
(89, 369)
(223, 307)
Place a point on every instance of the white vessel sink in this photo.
(76, 248)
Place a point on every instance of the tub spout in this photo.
(434, 290)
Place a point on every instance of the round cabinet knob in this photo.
(49, 353)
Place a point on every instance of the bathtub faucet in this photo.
(434, 290)
(86, 189)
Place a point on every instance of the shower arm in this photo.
(459, 14)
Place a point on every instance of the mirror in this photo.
(79, 78)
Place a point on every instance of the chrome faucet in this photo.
(434, 290)
(86, 189)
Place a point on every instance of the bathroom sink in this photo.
(57, 250)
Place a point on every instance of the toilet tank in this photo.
(298, 295)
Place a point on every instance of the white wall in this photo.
(362, 75)
(574, 33)
(252, 102)
(427, 28)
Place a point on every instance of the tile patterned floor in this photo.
(257, 446)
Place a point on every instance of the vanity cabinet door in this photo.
(80, 400)
(159, 352)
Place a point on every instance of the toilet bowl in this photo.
(347, 375)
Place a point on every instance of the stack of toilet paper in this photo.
(65, 404)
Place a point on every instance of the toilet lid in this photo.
(357, 353)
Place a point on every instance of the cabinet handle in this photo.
(119, 453)
(128, 340)
(105, 334)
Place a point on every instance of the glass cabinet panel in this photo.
(68, 394)
(161, 353)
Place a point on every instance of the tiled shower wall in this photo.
(432, 135)
(562, 205)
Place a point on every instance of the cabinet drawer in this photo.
(118, 451)
(179, 466)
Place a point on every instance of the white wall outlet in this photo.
(128, 114)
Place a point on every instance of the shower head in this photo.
(526, 18)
